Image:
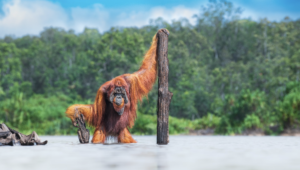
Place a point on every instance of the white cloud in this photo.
(95, 17)
(175, 13)
(22, 17)
(270, 15)
(31, 17)
(140, 18)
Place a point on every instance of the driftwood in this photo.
(164, 95)
(83, 132)
(11, 137)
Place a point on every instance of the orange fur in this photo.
(137, 85)
(99, 136)
(125, 137)
(85, 109)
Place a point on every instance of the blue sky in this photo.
(22, 17)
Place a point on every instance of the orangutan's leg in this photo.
(99, 136)
(125, 137)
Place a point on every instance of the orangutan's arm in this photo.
(75, 110)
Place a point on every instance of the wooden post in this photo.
(164, 96)
(83, 132)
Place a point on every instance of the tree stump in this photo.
(83, 132)
(164, 95)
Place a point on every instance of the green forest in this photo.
(227, 73)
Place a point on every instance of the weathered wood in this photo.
(164, 95)
(11, 137)
(4, 134)
(83, 132)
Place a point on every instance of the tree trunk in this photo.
(83, 132)
(164, 96)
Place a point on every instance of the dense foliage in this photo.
(227, 73)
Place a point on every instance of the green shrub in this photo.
(147, 125)
(39, 113)
(290, 106)
(144, 125)
(248, 110)
(208, 121)
(252, 122)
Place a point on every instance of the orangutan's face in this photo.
(119, 98)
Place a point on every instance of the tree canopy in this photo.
(244, 73)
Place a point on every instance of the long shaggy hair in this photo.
(137, 85)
